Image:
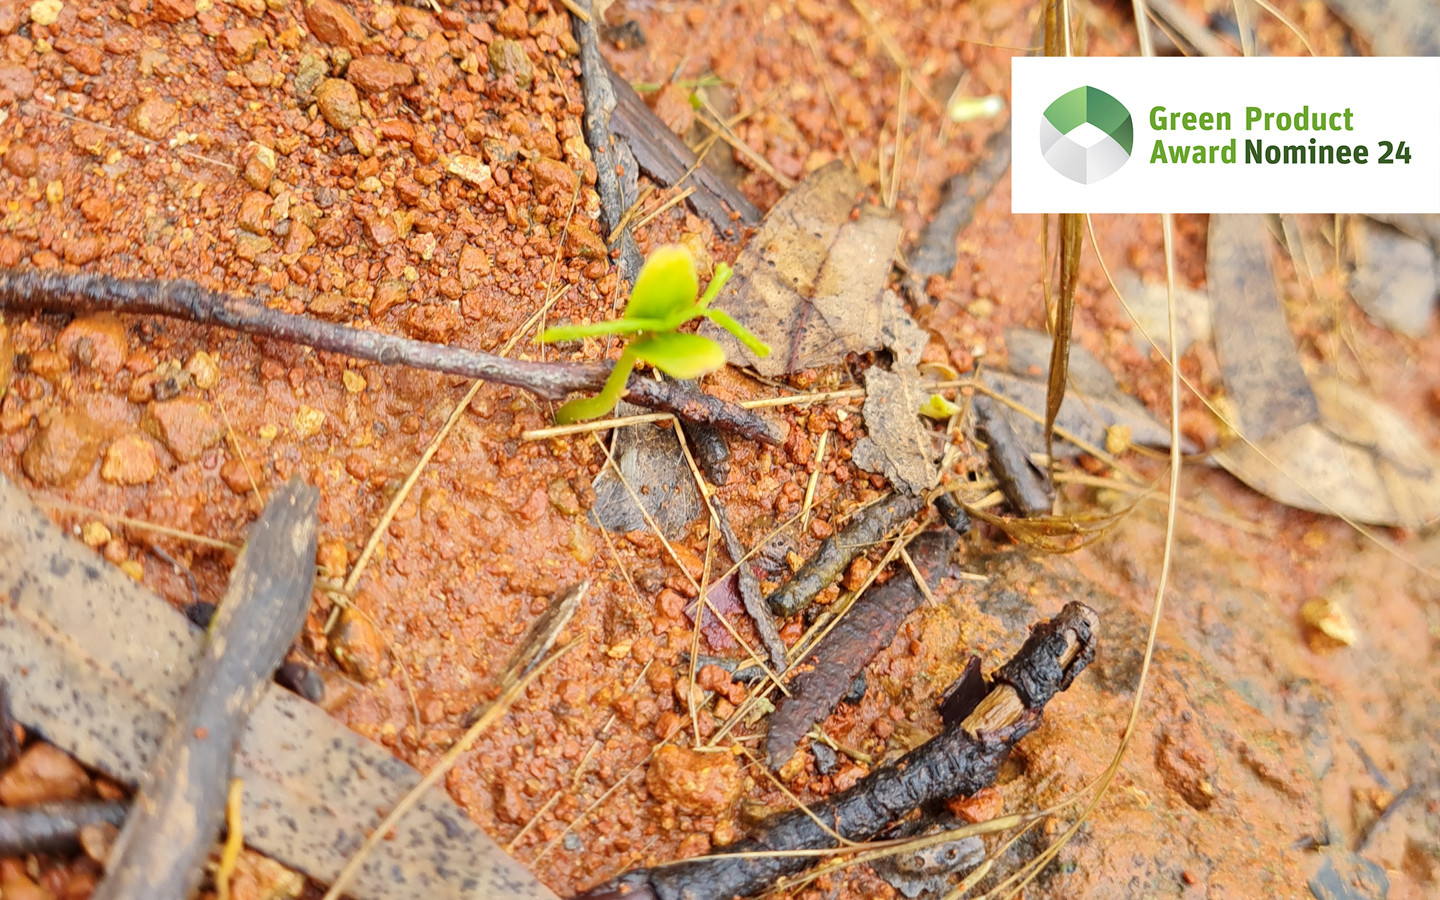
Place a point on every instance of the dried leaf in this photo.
(1263, 378)
(1361, 459)
(653, 465)
(312, 786)
(809, 283)
(1093, 407)
(1394, 27)
(898, 443)
(1396, 278)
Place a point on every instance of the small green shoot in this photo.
(664, 298)
(938, 408)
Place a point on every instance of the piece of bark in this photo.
(161, 851)
(957, 762)
(750, 594)
(867, 628)
(1025, 488)
(667, 159)
(79, 294)
(839, 550)
(616, 175)
(1263, 376)
(312, 786)
(54, 827)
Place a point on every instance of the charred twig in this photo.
(55, 292)
(1023, 486)
(750, 595)
(868, 627)
(47, 827)
(961, 760)
(838, 550)
(162, 848)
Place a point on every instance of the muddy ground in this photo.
(412, 171)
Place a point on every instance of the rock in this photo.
(174, 11)
(582, 242)
(356, 646)
(46, 12)
(258, 163)
(86, 58)
(332, 24)
(436, 323)
(552, 172)
(512, 22)
(22, 160)
(186, 426)
(508, 57)
(9, 16)
(374, 74)
(43, 774)
(237, 46)
(17, 79)
(64, 450)
(154, 118)
(254, 215)
(388, 293)
(204, 370)
(309, 73)
(99, 342)
(236, 476)
(338, 103)
(130, 460)
(471, 170)
(308, 421)
(299, 239)
(697, 782)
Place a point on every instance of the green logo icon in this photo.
(1086, 135)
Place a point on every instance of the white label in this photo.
(1292, 135)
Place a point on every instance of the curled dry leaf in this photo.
(809, 283)
(1361, 459)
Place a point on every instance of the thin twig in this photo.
(79, 293)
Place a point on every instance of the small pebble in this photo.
(356, 646)
(696, 781)
(154, 118)
(46, 12)
(95, 534)
(43, 774)
(204, 370)
(332, 23)
(469, 170)
(186, 426)
(99, 342)
(130, 460)
(308, 421)
(299, 678)
(339, 103)
(64, 450)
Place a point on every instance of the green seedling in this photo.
(664, 298)
(938, 408)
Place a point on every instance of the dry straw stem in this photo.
(234, 840)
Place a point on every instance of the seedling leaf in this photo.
(600, 404)
(742, 334)
(680, 355)
(666, 286)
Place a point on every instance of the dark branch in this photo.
(959, 761)
(78, 294)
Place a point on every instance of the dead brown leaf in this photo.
(1361, 460)
(809, 283)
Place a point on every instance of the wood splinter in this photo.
(958, 762)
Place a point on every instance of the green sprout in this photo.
(663, 299)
